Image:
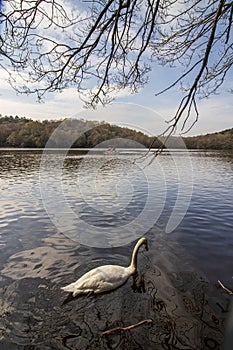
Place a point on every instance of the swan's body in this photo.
(105, 278)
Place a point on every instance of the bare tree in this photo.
(100, 47)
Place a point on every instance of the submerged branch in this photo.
(229, 291)
(110, 331)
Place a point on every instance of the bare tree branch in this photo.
(102, 47)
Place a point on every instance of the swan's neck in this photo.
(133, 265)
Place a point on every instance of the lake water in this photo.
(62, 215)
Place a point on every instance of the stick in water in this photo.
(110, 331)
(225, 288)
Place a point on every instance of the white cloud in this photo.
(148, 113)
(69, 94)
(56, 106)
(4, 76)
(127, 114)
(215, 114)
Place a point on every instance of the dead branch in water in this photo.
(110, 331)
(225, 288)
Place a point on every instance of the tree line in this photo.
(27, 133)
(23, 132)
(222, 140)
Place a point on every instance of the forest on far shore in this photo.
(23, 132)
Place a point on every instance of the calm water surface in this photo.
(180, 272)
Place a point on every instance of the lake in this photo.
(63, 214)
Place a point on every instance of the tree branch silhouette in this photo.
(103, 47)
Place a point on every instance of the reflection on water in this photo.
(181, 296)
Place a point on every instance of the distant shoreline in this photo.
(23, 133)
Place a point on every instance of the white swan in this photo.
(107, 277)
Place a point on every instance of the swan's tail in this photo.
(70, 288)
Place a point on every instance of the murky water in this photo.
(180, 271)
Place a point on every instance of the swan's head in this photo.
(133, 265)
(143, 241)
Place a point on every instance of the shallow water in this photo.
(108, 195)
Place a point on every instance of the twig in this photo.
(110, 331)
(225, 288)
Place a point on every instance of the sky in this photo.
(143, 110)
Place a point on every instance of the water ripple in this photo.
(180, 270)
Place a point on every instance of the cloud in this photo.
(4, 76)
(142, 111)
(127, 114)
(69, 94)
(56, 106)
(215, 114)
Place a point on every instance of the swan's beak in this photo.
(146, 246)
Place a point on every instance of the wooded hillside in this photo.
(219, 140)
(24, 132)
